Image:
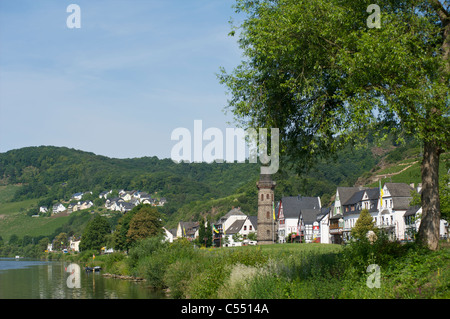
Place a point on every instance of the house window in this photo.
(262, 196)
(268, 215)
(267, 196)
(250, 227)
(245, 227)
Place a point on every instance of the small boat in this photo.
(17, 257)
(89, 269)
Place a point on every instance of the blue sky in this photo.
(118, 86)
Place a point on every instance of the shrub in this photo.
(152, 268)
(178, 275)
(143, 249)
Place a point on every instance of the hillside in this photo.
(47, 174)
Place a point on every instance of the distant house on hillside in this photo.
(43, 209)
(77, 196)
(126, 207)
(114, 203)
(104, 194)
(58, 208)
(85, 205)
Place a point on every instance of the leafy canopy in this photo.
(315, 70)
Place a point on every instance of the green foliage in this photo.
(204, 234)
(145, 223)
(364, 224)
(344, 85)
(94, 235)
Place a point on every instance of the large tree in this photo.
(95, 234)
(325, 76)
(145, 223)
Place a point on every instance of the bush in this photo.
(153, 268)
(178, 275)
(143, 249)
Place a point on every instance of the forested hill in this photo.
(59, 172)
(55, 173)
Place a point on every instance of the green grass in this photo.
(7, 193)
(20, 224)
(13, 218)
(288, 271)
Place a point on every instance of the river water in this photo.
(32, 279)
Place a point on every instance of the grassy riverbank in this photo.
(286, 271)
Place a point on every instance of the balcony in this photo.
(335, 230)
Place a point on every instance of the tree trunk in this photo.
(431, 213)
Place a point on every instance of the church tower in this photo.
(266, 224)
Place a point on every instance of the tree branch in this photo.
(441, 12)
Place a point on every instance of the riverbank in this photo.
(287, 270)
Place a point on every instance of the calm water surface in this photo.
(32, 279)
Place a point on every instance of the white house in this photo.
(148, 201)
(74, 245)
(77, 196)
(85, 205)
(127, 196)
(187, 230)
(240, 230)
(308, 225)
(43, 209)
(113, 203)
(288, 211)
(343, 194)
(393, 204)
(169, 234)
(229, 218)
(58, 208)
(104, 194)
(352, 207)
(324, 226)
(412, 218)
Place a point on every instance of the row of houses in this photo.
(124, 203)
(389, 206)
(129, 199)
(303, 219)
(232, 230)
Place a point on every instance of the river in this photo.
(33, 279)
